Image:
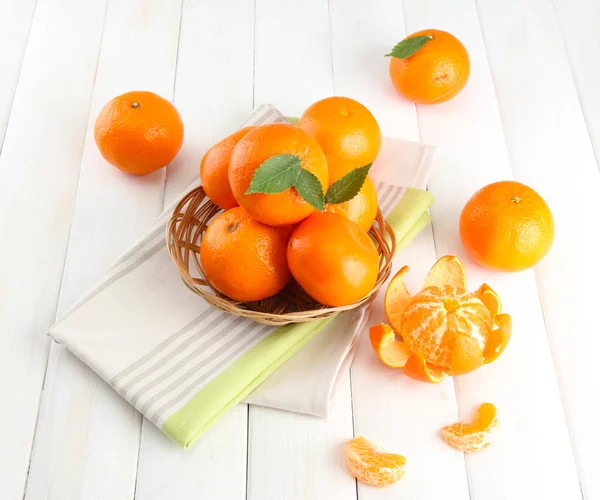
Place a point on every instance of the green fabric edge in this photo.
(222, 393)
(190, 422)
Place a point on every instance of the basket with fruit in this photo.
(286, 227)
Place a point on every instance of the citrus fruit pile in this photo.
(298, 202)
(443, 329)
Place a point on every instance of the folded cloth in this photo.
(183, 364)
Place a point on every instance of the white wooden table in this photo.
(531, 111)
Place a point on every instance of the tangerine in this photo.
(362, 209)
(138, 132)
(506, 226)
(214, 170)
(257, 146)
(243, 258)
(477, 433)
(343, 127)
(333, 259)
(434, 73)
(371, 464)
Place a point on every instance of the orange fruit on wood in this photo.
(392, 352)
(259, 145)
(362, 209)
(214, 170)
(343, 127)
(333, 259)
(371, 464)
(434, 73)
(477, 433)
(138, 132)
(243, 258)
(506, 226)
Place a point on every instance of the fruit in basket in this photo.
(371, 464)
(138, 132)
(446, 328)
(243, 258)
(280, 150)
(506, 226)
(429, 66)
(477, 433)
(343, 127)
(214, 170)
(362, 208)
(333, 259)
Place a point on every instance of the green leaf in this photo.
(347, 187)
(409, 46)
(309, 188)
(275, 175)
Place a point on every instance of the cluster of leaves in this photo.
(281, 172)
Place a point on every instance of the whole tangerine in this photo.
(243, 258)
(434, 73)
(257, 146)
(138, 132)
(506, 226)
(333, 259)
(214, 170)
(362, 209)
(343, 127)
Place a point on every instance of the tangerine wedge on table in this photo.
(446, 328)
(373, 465)
(477, 433)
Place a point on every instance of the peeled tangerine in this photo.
(371, 464)
(444, 328)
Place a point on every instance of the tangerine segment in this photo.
(448, 270)
(498, 338)
(396, 298)
(466, 355)
(490, 299)
(477, 433)
(432, 318)
(392, 352)
(371, 464)
(416, 367)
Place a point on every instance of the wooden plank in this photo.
(15, 24)
(392, 410)
(551, 151)
(291, 455)
(82, 421)
(533, 456)
(213, 91)
(39, 168)
(578, 21)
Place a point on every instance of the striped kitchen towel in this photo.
(183, 363)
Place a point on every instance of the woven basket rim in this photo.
(184, 232)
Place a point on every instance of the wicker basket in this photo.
(292, 305)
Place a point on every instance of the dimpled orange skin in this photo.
(214, 170)
(138, 132)
(243, 258)
(259, 145)
(343, 127)
(435, 73)
(333, 259)
(362, 209)
(506, 226)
